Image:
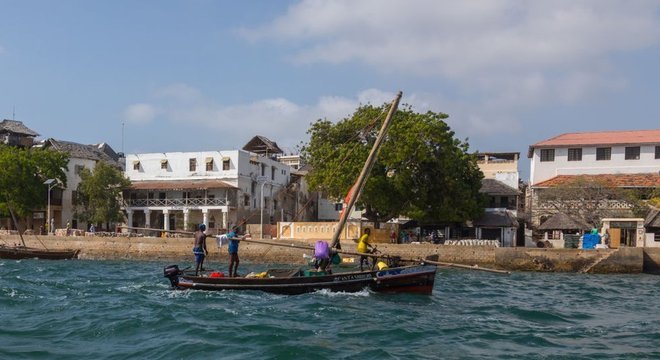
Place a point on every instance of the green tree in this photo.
(22, 177)
(99, 193)
(422, 171)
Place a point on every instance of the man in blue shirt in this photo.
(233, 252)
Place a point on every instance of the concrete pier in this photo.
(623, 260)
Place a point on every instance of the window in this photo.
(657, 152)
(632, 152)
(209, 164)
(272, 173)
(163, 164)
(192, 164)
(575, 154)
(136, 165)
(246, 200)
(74, 197)
(339, 206)
(263, 170)
(547, 154)
(603, 153)
(225, 163)
(78, 168)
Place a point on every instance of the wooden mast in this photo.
(364, 174)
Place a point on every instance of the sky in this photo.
(200, 75)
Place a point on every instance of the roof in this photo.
(500, 218)
(202, 184)
(16, 127)
(653, 219)
(262, 145)
(496, 187)
(80, 151)
(561, 221)
(647, 180)
(628, 137)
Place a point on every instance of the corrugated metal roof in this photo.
(16, 127)
(496, 187)
(561, 221)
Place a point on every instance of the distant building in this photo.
(80, 156)
(178, 190)
(14, 133)
(623, 159)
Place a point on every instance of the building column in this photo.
(186, 218)
(205, 216)
(166, 219)
(147, 218)
(129, 219)
(225, 215)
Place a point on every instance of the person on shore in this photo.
(68, 228)
(364, 248)
(234, 240)
(199, 248)
(92, 228)
(606, 238)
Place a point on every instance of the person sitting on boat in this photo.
(199, 249)
(321, 255)
(233, 252)
(364, 247)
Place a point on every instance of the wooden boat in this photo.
(417, 279)
(23, 252)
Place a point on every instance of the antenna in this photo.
(122, 137)
(13, 114)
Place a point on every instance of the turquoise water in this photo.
(120, 309)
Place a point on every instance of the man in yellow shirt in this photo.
(364, 247)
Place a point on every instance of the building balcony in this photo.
(189, 202)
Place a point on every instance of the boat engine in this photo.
(172, 272)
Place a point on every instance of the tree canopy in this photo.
(24, 171)
(422, 170)
(98, 194)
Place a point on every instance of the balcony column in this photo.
(205, 215)
(129, 219)
(147, 218)
(166, 219)
(186, 218)
(224, 220)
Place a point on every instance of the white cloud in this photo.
(501, 55)
(139, 113)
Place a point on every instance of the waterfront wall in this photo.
(624, 260)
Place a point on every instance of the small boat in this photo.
(417, 279)
(23, 252)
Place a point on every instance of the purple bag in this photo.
(321, 250)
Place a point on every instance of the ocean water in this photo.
(125, 309)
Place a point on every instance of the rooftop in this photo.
(647, 180)
(628, 137)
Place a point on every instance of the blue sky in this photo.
(156, 76)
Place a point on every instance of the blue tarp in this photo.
(589, 241)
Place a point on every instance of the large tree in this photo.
(99, 193)
(422, 171)
(22, 177)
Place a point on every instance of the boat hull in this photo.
(407, 279)
(20, 252)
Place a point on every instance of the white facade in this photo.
(648, 161)
(178, 190)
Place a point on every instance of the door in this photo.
(615, 238)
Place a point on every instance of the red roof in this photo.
(617, 180)
(628, 137)
(180, 185)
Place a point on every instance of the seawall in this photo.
(624, 260)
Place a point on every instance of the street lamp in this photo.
(50, 183)
(263, 182)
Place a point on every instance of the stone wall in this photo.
(624, 260)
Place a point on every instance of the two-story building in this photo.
(178, 190)
(622, 159)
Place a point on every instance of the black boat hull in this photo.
(20, 252)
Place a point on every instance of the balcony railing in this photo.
(190, 202)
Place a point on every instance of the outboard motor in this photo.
(172, 272)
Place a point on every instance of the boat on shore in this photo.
(416, 279)
(24, 252)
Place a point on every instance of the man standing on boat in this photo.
(199, 249)
(233, 252)
(364, 247)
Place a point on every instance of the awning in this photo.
(209, 160)
(225, 158)
(136, 162)
(163, 161)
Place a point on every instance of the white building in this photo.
(590, 153)
(178, 190)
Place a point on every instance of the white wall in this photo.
(541, 171)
